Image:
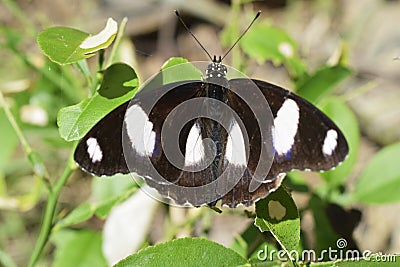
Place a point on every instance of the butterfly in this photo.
(214, 139)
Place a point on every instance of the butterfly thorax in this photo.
(216, 73)
(215, 86)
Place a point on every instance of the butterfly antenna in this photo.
(187, 28)
(240, 37)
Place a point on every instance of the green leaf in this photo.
(119, 80)
(75, 121)
(178, 69)
(86, 211)
(104, 188)
(80, 214)
(278, 214)
(380, 180)
(345, 119)
(265, 42)
(65, 45)
(111, 191)
(184, 252)
(173, 61)
(78, 248)
(175, 69)
(322, 82)
(104, 208)
(61, 44)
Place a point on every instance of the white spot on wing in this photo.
(140, 130)
(235, 147)
(93, 149)
(330, 142)
(285, 126)
(194, 152)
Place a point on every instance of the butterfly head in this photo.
(216, 70)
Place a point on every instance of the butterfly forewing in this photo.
(318, 144)
(100, 151)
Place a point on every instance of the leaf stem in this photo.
(49, 212)
(83, 67)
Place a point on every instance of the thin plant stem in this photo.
(54, 191)
(37, 164)
(47, 222)
(83, 67)
(14, 124)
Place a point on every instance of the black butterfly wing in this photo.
(319, 144)
(305, 152)
(100, 151)
(113, 144)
